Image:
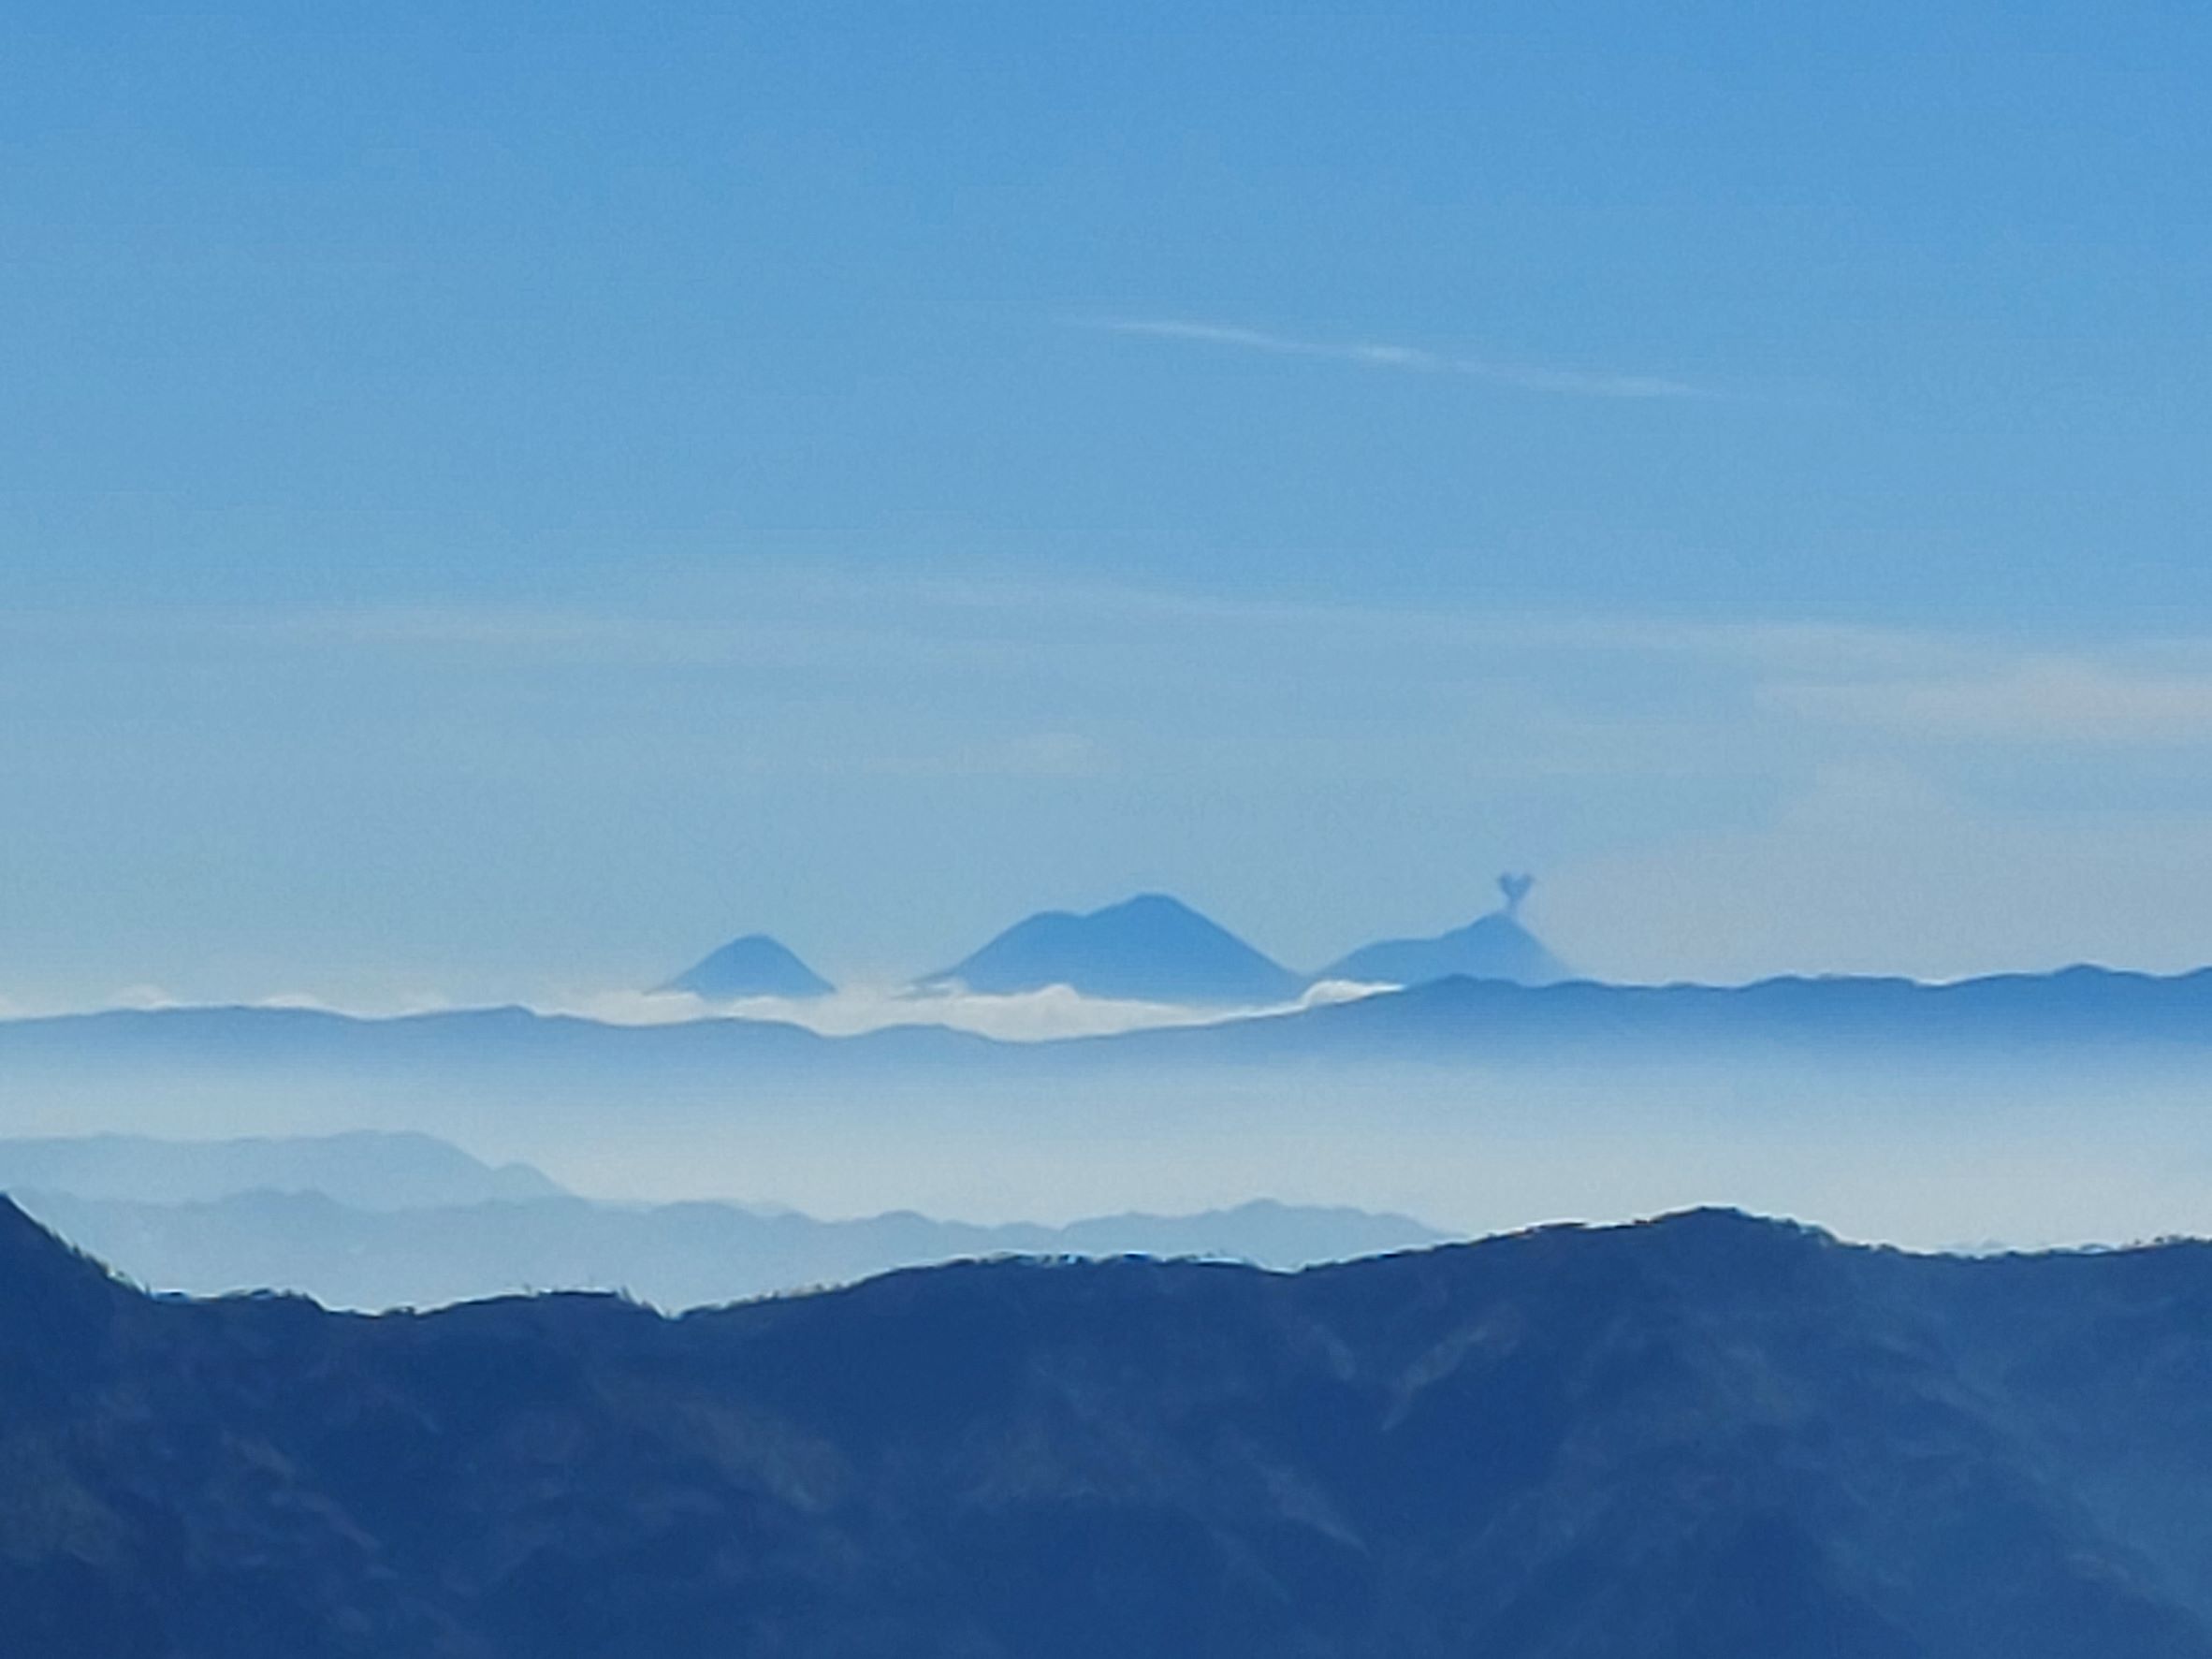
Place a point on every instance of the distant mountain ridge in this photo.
(673, 1256)
(372, 1170)
(1442, 1019)
(754, 965)
(1151, 947)
(1707, 1435)
(1468, 1016)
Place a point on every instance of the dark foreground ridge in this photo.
(1708, 1435)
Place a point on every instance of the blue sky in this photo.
(497, 499)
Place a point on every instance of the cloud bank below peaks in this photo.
(1043, 1016)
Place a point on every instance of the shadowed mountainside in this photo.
(1708, 1435)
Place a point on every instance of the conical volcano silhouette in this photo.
(754, 965)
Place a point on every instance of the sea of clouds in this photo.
(1045, 1015)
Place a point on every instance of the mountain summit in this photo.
(1150, 949)
(1492, 947)
(754, 965)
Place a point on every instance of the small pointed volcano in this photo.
(754, 965)
(1147, 949)
(1492, 947)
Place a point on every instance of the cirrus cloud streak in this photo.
(1579, 382)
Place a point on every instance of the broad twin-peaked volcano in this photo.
(1148, 949)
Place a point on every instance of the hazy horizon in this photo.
(497, 510)
(881, 995)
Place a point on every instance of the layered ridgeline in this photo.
(673, 1255)
(368, 1220)
(1709, 1436)
(1473, 1104)
(364, 1170)
(1484, 1020)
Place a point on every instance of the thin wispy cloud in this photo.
(1913, 683)
(1576, 383)
(2074, 701)
(788, 620)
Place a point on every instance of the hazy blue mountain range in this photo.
(754, 965)
(674, 1256)
(2074, 1004)
(1150, 949)
(365, 1170)
(1461, 1018)
(1708, 1435)
(1473, 1104)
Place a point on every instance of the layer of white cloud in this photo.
(1044, 1015)
(1029, 1016)
(985, 626)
